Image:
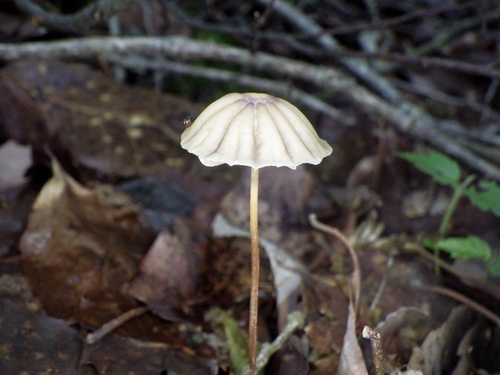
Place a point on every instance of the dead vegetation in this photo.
(121, 254)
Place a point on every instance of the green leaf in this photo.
(494, 266)
(237, 342)
(440, 167)
(470, 247)
(487, 198)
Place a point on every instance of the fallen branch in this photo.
(406, 117)
(358, 67)
(283, 89)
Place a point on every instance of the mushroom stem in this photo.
(254, 292)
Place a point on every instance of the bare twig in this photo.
(491, 92)
(110, 326)
(93, 14)
(237, 30)
(295, 321)
(385, 88)
(465, 300)
(438, 96)
(374, 11)
(406, 117)
(355, 287)
(285, 90)
(241, 31)
(114, 27)
(261, 20)
(358, 67)
(349, 28)
(452, 31)
(351, 358)
(383, 282)
(486, 70)
(478, 283)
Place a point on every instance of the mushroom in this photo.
(255, 130)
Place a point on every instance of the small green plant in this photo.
(486, 197)
(237, 340)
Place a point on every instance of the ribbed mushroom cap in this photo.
(256, 130)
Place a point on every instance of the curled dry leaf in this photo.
(168, 276)
(78, 251)
(351, 360)
(437, 354)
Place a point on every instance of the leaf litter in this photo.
(90, 254)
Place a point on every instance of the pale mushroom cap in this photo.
(256, 130)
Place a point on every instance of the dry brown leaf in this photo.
(79, 251)
(169, 276)
(351, 360)
(437, 354)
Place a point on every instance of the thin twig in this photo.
(383, 282)
(238, 30)
(242, 31)
(350, 28)
(374, 11)
(406, 117)
(261, 20)
(110, 326)
(448, 33)
(93, 14)
(282, 89)
(356, 273)
(295, 321)
(362, 70)
(490, 93)
(358, 67)
(485, 70)
(465, 300)
(439, 96)
(478, 283)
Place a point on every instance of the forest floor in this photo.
(120, 253)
